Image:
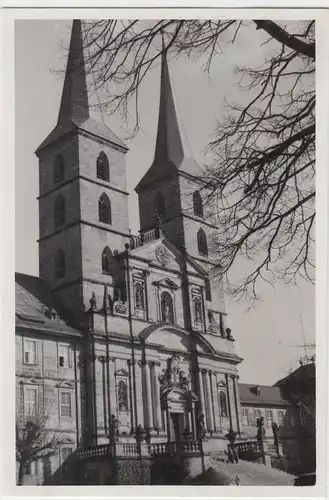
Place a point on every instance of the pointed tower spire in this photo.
(172, 151)
(74, 108)
(169, 144)
(74, 104)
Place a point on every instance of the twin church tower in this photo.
(83, 202)
(156, 352)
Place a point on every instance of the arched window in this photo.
(159, 205)
(59, 210)
(167, 309)
(104, 209)
(58, 169)
(223, 404)
(102, 167)
(202, 242)
(123, 395)
(139, 296)
(106, 260)
(197, 204)
(60, 264)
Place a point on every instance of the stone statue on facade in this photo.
(275, 429)
(113, 429)
(202, 428)
(173, 375)
(232, 453)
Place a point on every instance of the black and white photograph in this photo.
(165, 313)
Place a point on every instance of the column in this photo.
(228, 400)
(139, 394)
(215, 401)
(148, 396)
(131, 394)
(157, 403)
(237, 403)
(113, 395)
(209, 412)
(232, 403)
(202, 399)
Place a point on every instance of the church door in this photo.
(177, 427)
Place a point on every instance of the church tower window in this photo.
(59, 210)
(104, 209)
(106, 260)
(197, 204)
(122, 396)
(159, 205)
(167, 309)
(223, 404)
(102, 167)
(58, 169)
(60, 264)
(202, 242)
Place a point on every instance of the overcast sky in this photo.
(268, 336)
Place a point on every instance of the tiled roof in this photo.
(266, 394)
(303, 373)
(90, 125)
(33, 300)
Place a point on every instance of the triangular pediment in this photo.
(121, 373)
(166, 283)
(162, 253)
(64, 384)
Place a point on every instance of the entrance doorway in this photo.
(176, 427)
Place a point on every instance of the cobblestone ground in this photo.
(242, 474)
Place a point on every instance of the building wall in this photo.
(49, 379)
(249, 416)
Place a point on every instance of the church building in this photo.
(122, 328)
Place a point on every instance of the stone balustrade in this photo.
(144, 238)
(144, 449)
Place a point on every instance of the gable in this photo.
(162, 253)
(158, 253)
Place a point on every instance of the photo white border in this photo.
(7, 226)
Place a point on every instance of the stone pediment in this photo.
(121, 373)
(64, 384)
(162, 253)
(166, 283)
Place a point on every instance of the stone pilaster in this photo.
(232, 402)
(139, 394)
(156, 393)
(228, 395)
(209, 405)
(237, 402)
(148, 417)
(217, 422)
(202, 398)
(112, 382)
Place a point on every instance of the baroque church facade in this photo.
(121, 326)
